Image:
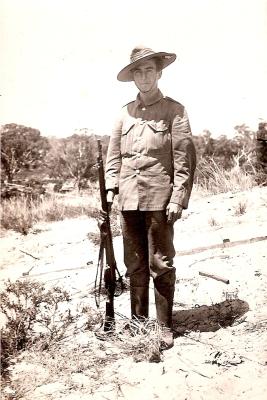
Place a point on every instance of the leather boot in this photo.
(139, 301)
(164, 287)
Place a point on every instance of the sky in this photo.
(60, 59)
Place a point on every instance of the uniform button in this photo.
(137, 171)
(144, 109)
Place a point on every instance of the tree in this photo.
(261, 148)
(245, 138)
(73, 158)
(22, 147)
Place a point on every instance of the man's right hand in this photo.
(110, 198)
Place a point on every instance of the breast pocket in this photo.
(158, 137)
(127, 137)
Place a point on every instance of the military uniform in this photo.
(151, 157)
(150, 162)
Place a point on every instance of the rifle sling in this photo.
(99, 272)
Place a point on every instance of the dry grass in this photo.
(213, 222)
(16, 215)
(20, 214)
(61, 365)
(140, 339)
(241, 208)
(213, 178)
(86, 367)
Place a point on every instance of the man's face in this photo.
(146, 76)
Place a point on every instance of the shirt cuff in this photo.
(178, 197)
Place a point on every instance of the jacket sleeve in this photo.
(113, 161)
(184, 160)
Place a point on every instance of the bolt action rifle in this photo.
(113, 283)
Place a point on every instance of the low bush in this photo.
(41, 330)
(33, 314)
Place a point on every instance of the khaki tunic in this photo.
(151, 157)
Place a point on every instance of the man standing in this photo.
(150, 165)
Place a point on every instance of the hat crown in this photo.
(140, 52)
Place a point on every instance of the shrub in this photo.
(27, 305)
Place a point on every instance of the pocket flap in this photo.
(127, 127)
(158, 126)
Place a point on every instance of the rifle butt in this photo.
(109, 324)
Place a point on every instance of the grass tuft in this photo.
(212, 221)
(241, 208)
(140, 339)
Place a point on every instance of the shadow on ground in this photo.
(209, 318)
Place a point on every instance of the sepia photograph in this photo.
(133, 258)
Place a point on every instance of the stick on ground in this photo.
(216, 277)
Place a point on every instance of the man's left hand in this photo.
(173, 212)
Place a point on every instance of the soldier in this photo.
(150, 165)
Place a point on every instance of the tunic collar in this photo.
(158, 96)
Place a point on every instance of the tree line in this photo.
(24, 150)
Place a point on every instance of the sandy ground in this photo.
(217, 354)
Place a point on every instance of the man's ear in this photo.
(159, 74)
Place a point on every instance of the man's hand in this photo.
(103, 214)
(173, 212)
(110, 198)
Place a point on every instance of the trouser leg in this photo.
(164, 287)
(160, 243)
(149, 250)
(161, 253)
(136, 260)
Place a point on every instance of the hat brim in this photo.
(126, 74)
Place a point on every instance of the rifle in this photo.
(112, 279)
